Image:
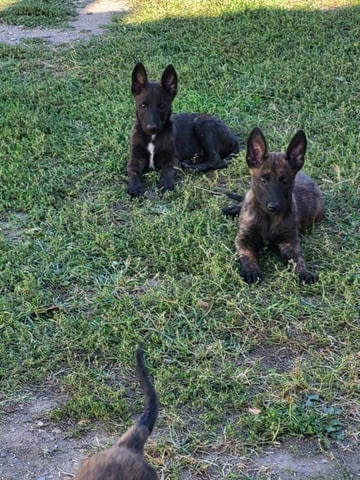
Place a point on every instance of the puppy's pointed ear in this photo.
(256, 148)
(139, 79)
(296, 150)
(169, 81)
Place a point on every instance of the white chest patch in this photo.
(151, 150)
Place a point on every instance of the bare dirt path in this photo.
(92, 15)
(32, 447)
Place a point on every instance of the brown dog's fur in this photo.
(125, 460)
(281, 203)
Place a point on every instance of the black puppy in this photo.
(162, 142)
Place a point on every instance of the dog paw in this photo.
(307, 277)
(188, 166)
(136, 190)
(251, 276)
(164, 186)
(231, 210)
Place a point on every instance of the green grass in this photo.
(88, 274)
(33, 13)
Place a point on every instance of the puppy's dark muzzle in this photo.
(273, 207)
(151, 129)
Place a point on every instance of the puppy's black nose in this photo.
(273, 206)
(151, 128)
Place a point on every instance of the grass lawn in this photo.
(31, 13)
(88, 274)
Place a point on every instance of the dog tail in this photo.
(135, 438)
(235, 196)
(148, 418)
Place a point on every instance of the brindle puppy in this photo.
(281, 203)
(125, 460)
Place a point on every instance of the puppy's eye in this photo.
(143, 106)
(284, 180)
(264, 179)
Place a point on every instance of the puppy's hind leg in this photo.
(210, 134)
(213, 162)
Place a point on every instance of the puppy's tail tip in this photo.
(140, 357)
(150, 414)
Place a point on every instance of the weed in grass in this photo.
(278, 419)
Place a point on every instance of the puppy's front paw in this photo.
(307, 277)
(251, 275)
(135, 189)
(166, 185)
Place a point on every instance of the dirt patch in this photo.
(33, 447)
(303, 459)
(280, 358)
(13, 227)
(299, 459)
(92, 15)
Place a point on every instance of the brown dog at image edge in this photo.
(125, 460)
